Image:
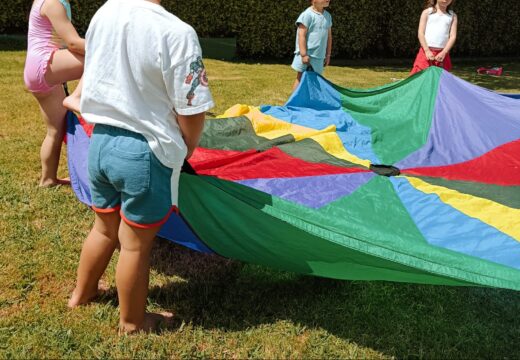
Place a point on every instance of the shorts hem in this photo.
(297, 69)
(106, 210)
(39, 91)
(161, 222)
(187, 111)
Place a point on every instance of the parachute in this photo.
(416, 181)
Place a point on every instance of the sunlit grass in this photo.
(223, 308)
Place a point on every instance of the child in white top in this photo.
(145, 87)
(437, 35)
(313, 39)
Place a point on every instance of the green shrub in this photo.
(362, 28)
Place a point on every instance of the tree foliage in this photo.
(362, 28)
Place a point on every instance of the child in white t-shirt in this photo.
(145, 87)
(437, 34)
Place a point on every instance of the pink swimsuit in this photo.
(42, 43)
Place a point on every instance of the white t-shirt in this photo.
(143, 66)
(438, 28)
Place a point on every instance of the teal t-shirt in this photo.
(318, 26)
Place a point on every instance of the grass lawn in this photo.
(223, 308)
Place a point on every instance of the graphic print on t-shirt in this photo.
(196, 77)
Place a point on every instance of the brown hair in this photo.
(433, 4)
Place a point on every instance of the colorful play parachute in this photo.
(417, 181)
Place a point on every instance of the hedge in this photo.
(362, 28)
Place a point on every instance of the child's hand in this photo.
(440, 56)
(327, 61)
(429, 55)
(306, 59)
(191, 149)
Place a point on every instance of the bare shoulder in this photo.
(426, 12)
(46, 4)
(50, 3)
(51, 6)
(455, 21)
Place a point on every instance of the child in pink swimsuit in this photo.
(55, 54)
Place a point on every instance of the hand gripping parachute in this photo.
(417, 181)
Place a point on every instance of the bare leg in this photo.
(53, 114)
(64, 66)
(132, 277)
(95, 256)
(72, 101)
(297, 81)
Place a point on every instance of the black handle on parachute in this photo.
(385, 170)
(188, 169)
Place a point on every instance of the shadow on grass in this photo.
(402, 320)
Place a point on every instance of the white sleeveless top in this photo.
(438, 28)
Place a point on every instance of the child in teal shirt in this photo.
(313, 39)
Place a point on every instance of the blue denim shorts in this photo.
(317, 64)
(126, 176)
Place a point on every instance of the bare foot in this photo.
(153, 323)
(54, 182)
(64, 181)
(72, 103)
(77, 299)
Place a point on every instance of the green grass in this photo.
(223, 308)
